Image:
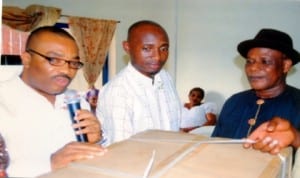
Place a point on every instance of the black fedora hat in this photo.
(270, 38)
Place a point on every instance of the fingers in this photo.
(278, 124)
(81, 148)
(86, 126)
(84, 114)
(265, 145)
(259, 133)
(85, 149)
(87, 123)
(271, 126)
(75, 151)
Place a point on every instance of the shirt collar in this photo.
(144, 79)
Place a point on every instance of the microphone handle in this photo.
(73, 107)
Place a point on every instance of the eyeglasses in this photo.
(57, 61)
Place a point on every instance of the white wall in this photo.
(208, 34)
(126, 11)
(203, 34)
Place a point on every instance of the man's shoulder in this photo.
(294, 94)
(165, 77)
(6, 82)
(163, 72)
(295, 91)
(118, 79)
(239, 98)
(118, 84)
(11, 85)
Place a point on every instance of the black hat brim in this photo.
(245, 46)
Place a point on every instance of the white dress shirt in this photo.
(32, 127)
(132, 102)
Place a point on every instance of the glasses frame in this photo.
(51, 60)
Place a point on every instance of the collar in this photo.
(144, 80)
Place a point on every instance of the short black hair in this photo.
(51, 29)
(141, 23)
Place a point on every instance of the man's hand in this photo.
(273, 135)
(91, 125)
(75, 151)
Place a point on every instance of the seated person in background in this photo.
(34, 120)
(269, 58)
(195, 113)
(92, 98)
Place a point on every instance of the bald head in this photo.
(143, 24)
(47, 29)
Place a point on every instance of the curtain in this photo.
(30, 18)
(93, 37)
(13, 41)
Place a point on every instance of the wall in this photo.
(203, 35)
(208, 34)
(126, 12)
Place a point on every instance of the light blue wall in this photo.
(203, 34)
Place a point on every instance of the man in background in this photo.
(142, 96)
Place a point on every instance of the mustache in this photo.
(64, 76)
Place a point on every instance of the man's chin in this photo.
(153, 72)
(258, 87)
(59, 91)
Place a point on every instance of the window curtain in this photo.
(93, 37)
(13, 41)
(30, 18)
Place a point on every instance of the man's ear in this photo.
(126, 46)
(287, 65)
(26, 58)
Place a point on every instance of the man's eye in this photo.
(146, 49)
(165, 48)
(249, 61)
(267, 62)
(54, 60)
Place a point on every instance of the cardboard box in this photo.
(179, 155)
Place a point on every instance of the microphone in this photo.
(72, 99)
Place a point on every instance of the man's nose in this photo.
(255, 66)
(156, 54)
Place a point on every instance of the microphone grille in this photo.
(71, 96)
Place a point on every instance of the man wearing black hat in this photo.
(269, 57)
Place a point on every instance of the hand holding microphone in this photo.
(90, 131)
(85, 121)
(73, 102)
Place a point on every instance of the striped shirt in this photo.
(131, 103)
